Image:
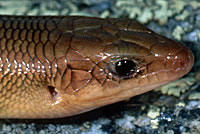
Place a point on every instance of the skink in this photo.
(52, 67)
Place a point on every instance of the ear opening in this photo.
(52, 91)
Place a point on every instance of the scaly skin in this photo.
(54, 67)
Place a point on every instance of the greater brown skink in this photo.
(54, 67)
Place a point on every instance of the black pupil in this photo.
(125, 67)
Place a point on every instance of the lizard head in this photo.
(120, 59)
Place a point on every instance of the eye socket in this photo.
(125, 67)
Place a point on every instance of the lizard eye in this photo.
(125, 67)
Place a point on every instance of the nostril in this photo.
(182, 64)
(185, 60)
